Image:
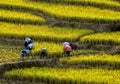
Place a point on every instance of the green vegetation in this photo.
(13, 16)
(94, 60)
(102, 38)
(42, 33)
(75, 13)
(66, 76)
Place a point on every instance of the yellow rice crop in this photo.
(9, 53)
(102, 38)
(14, 31)
(13, 53)
(66, 76)
(66, 12)
(94, 60)
(13, 16)
(53, 50)
(102, 3)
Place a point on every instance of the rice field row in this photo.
(101, 3)
(57, 50)
(111, 38)
(75, 13)
(9, 53)
(94, 61)
(20, 17)
(53, 50)
(66, 76)
(42, 33)
(13, 53)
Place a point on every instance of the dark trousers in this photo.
(25, 52)
(68, 53)
(43, 54)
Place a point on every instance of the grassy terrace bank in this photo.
(42, 33)
(112, 38)
(66, 76)
(103, 60)
(20, 17)
(75, 13)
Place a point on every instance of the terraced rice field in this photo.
(102, 3)
(53, 50)
(15, 12)
(75, 13)
(9, 53)
(93, 60)
(111, 38)
(66, 76)
(42, 33)
(19, 17)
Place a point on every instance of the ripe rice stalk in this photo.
(75, 13)
(101, 3)
(102, 38)
(53, 50)
(20, 17)
(69, 76)
(94, 60)
(41, 33)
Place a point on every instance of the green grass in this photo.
(42, 33)
(20, 17)
(66, 76)
(93, 60)
(75, 13)
(111, 38)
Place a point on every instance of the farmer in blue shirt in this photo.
(27, 41)
(28, 47)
